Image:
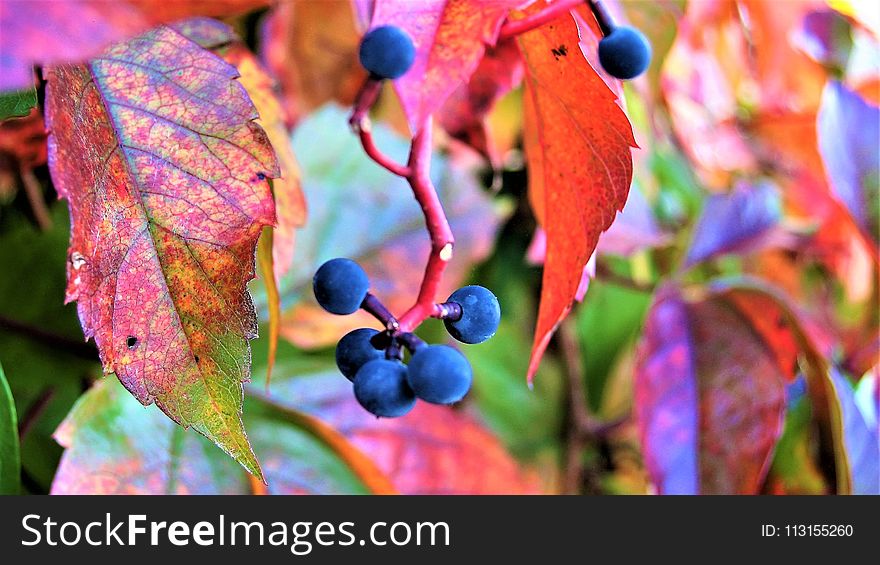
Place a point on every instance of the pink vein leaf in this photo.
(153, 143)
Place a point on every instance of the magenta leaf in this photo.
(848, 130)
(709, 397)
(860, 437)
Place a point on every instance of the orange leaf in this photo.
(577, 142)
(273, 299)
(312, 47)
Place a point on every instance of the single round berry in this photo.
(439, 374)
(480, 314)
(340, 286)
(380, 387)
(624, 53)
(387, 52)
(354, 350)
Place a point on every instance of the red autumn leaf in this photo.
(154, 145)
(770, 323)
(577, 143)
(450, 37)
(709, 398)
(290, 204)
(464, 113)
(52, 32)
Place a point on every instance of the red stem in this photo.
(360, 122)
(438, 228)
(366, 135)
(418, 173)
(551, 12)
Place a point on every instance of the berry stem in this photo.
(603, 17)
(447, 311)
(417, 172)
(410, 341)
(550, 13)
(360, 123)
(374, 306)
(364, 100)
(442, 240)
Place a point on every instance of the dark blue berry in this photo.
(340, 286)
(439, 374)
(380, 387)
(387, 52)
(354, 350)
(624, 53)
(480, 314)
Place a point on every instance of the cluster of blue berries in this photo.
(373, 360)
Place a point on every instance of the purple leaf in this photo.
(848, 130)
(709, 397)
(825, 37)
(735, 222)
(860, 437)
(666, 398)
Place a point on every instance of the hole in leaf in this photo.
(261, 176)
(131, 342)
(197, 358)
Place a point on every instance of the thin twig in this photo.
(578, 416)
(76, 348)
(361, 124)
(442, 241)
(365, 133)
(34, 193)
(605, 274)
(584, 427)
(34, 411)
(372, 305)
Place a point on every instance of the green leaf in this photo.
(10, 461)
(17, 104)
(609, 319)
(528, 421)
(794, 469)
(116, 446)
(46, 377)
